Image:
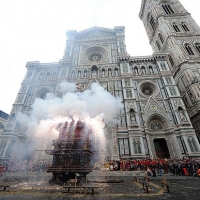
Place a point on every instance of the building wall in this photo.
(155, 110)
(172, 30)
(3, 120)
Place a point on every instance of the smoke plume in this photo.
(95, 107)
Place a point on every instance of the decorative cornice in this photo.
(153, 58)
(128, 58)
(161, 56)
(37, 65)
(123, 58)
(142, 59)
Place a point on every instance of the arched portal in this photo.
(161, 148)
(41, 93)
(158, 129)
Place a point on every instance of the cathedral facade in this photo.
(160, 93)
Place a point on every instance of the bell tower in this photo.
(172, 31)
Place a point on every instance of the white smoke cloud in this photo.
(95, 106)
(88, 103)
(67, 87)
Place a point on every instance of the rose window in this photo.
(147, 90)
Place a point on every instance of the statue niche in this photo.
(79, 74)
(116, 72)
(109, 72)
(132, 117)
(103, 73)
(182, 114)
(94, 71)
(85, 74)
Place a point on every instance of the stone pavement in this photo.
(35, 186)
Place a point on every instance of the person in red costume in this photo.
(198, 172)
(122, 164)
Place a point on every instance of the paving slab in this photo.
(181, 187)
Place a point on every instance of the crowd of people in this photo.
(178, 167)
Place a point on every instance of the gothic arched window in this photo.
(125, 68)
(136, 70)
(116, 72)
(171, 61)
(191, 97)
(189, 49)
(168, 80)
(29, 75)
(186, 102)
(163, 66)
(197, 45)
(151, 69)
(48, 76)
(168, 9)
(41, 76)
(176, 28)
(42, 93)
(128, 93)
(172, 91)
(158, 45)
(192, 144)
(161, 38)
(127, 82)
(54, 75)
(143, 71)
(152, 22)
(20, 98)
(184, 26)
(24, 88)
(2, 147)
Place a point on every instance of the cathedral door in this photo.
(161, 148)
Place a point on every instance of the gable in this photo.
(90, 83)
(95, 32)
(153, 107)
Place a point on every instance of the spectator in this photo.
(149, 172)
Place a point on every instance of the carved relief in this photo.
(155, 124)
(177, 103)
(80, 87)
(130, 105)
(182, 115)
